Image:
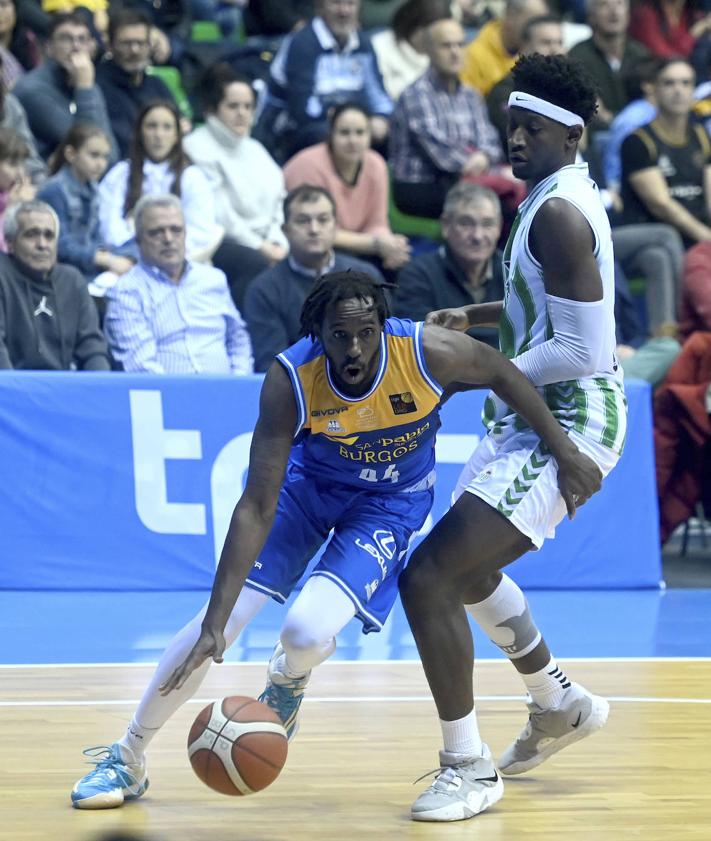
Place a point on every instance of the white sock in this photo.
(134, 741)
(462, 736)
(155, 709)
(547, 686)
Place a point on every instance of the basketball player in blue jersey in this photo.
(344, 442)
(557, 325)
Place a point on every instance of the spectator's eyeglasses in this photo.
(68, 40)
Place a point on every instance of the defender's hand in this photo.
(578, 479)
(453, 319)
(209, 644)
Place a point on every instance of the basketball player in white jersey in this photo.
(557, 326)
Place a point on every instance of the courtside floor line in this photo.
(375, 699)
(327, 663)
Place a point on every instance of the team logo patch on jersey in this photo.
(334, 426)
(403, 403)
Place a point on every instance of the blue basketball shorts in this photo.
(365, 555)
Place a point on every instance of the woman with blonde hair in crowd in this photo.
(357, 178)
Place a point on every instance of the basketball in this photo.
(237, 746)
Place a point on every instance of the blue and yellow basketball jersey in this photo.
(382, 441)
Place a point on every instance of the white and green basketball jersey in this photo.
(592, 405)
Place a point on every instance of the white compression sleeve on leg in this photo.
(308, 635)
(576, 346)
(155, 709)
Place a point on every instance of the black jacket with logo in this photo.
(50, 323)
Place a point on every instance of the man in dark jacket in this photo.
(466, 269)
(123, 79)
(47, 318)
(272, 305)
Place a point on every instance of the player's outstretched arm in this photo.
(251, 520)
(455, 357)
(462, 318)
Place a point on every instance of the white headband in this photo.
(518, 99)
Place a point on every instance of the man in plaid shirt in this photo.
(440, 132)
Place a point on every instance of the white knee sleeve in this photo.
(308, 635)
(505, 618)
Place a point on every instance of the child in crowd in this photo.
(14, 184)
(76, 167)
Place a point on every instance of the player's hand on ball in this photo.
(452, 319)
(210, 644)
(579, 478)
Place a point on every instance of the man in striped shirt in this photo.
(556, 324)
(171, 316)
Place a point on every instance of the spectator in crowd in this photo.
(276, 17)
(72, 191)
(466, 269)
(123, 79)
(13, 177)
(608, 55)
(158, 165)
(640, 110)
(542, 35)
(641, 357)
(247, 184)
(669, 28)
(654, 252)
(682, 434)
(400, 49)
(666, 173)
(171, 22)
(62, 91)
(47, 318)
(17, 39)
(274, 299)
(12, 116)
(440, 130)
(695, 305)
(494, 51)
(357, 178)
(325, 63)
(168, 315)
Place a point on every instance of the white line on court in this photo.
(374, 699)
(262, 663)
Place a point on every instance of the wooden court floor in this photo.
(368, 731)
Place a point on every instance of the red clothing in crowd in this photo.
(695, 305)
(682, 434)
(650, 26)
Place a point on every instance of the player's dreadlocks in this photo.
(340, 286)
(558, 79)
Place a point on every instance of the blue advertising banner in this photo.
(123, 482)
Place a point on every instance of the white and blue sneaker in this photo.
(283, 693)
(112, 781)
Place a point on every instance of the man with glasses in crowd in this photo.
(63, 90)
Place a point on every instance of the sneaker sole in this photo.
(594, 722)
(108, 799)
(460, 811)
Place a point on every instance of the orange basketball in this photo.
(237, 745)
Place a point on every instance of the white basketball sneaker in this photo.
(579, 715)
(462, 789)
